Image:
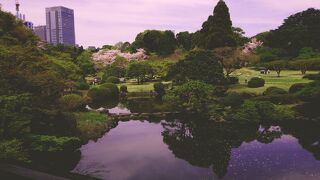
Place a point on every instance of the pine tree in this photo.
(217, 30)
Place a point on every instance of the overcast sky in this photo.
(100, 22)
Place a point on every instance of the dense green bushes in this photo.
(113, 80)
(274, 91)
(297, 87)
(123, 89)
(256, 82)
(256, 112)
(315, 77)
(104, 92)
(83, 86)
(159, 88)
(233, 100)
(73, 102)
(12, 150)
(53, 144)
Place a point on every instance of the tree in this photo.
(298, 31)
(85, 62)
(153, 41)
(303, 65)
(217, 30)
(278, 66)
(184, 40)
(199, 65)
(160, 89)
(139, 70)
(231, 59)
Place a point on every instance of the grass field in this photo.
(145, 87)
(287, 79)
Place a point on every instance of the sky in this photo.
(100, 22)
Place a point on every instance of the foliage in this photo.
(233, 80)
(310, 93)
(256, 82)
(256, 112)
(112, 79)
(298, 31)
(53, 144)
(159, 88)
(104, 92)
(233, 99)
(231, 59)
(304, 65)
(154, 41)
(12, 150)
(73, 102)
(123, 89)
(198, 65)
(217, 30)
(184, 40)
(139, 70)
(85, 62)
(297, 87)
(220, 91)
(277, 66)
(83, 85)
(267, 54)
(193, 95)
(315, 77)
(274, 91)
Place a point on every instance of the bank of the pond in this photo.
(92, 124)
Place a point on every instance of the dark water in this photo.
(176, 149)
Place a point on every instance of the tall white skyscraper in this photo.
(60, 25)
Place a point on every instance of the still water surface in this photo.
(185, 150)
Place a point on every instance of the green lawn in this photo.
(287, 79)
(145, 87)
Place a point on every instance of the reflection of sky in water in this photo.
(119, 110)
(135, 150)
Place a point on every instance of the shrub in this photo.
(297, 87)
(123, 89)
(274, 91)
(233, 80)
(159, 88)
(220, 91)
(256, 82)
(113, 79)
(233, 100)
(310, 93)
(279, 98)
(312, 77)
(12, 150)
(72, 102)
(53, 144)
(104, 92)
(83, 86)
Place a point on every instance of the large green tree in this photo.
(217, 31)
(298, 31)
(201, 65)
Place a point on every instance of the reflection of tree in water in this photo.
(267, 135)
(205, 144)
(308, 135)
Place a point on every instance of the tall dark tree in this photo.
(217, 30)
(184, 40)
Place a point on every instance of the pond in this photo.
(197, 149)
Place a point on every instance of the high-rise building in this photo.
(41, 32)
(60, 25)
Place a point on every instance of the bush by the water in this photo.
(12, 150)
(113, 79)
(53, 144)
(256, 82)
(73, 102)
(159, 88)
(297, 87)
(104, 92)
(274, 91)
(256, 112)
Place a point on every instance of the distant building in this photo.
(60, 26)
(41, 32)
